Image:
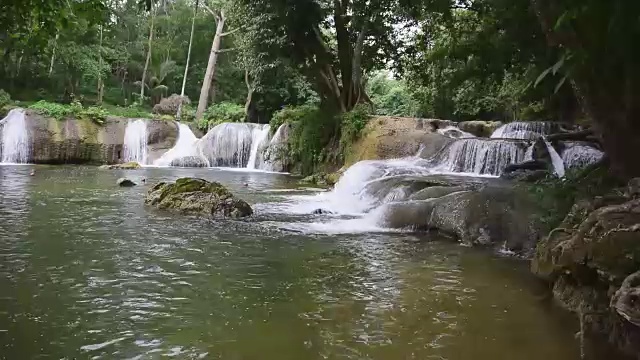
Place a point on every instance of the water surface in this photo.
(86, 271)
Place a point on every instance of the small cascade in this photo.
(135, 142)
(525, 130)
(185, 152)
(16, 146)
(271, 158)
(454, 132)
(556, 160)
(479, 156)
(579, 155)
(228, 144)
(259, 140)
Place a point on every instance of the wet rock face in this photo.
(73, 141)
(393, 137)
(197, 197)
(479, 128)
(593, 259)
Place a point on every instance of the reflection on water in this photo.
(87, 271)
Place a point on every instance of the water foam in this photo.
(16, 146)
(186, 146)
(135, 142)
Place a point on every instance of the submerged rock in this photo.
(126, 166)
(199, 197)
(122, 182)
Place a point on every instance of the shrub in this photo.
(75, 110)
(290, 115)
(352, 124)
(222, 112)
(5, 98)
(555, 196)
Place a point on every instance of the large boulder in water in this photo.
(162, 135)
(123, 182)
(493, 215)
(197, 197)
(395, 137)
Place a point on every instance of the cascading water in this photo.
(556, 160)
(479, 156)
(228, 144)
(185, 152)
(272, 159)
(578, 155)
(524, 130)
(16, 146)
(135, 142)
(259, 140)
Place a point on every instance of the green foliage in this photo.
(74, 110)
(312, 131)
(555, 196)
(391, 97)
(290, 115)
(351, 125)
(132, 112)
(222, 112)
(5, 98)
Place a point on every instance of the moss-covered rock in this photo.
(479, 128)
(396, 137)
(198, 197)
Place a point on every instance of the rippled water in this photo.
(86, 271)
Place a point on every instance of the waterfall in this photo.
(15, 147)
(272, 159)
(185, 152)
(578, 155)
(228, 144)
(259, 139)
(524, 130)
(479, 156)
(558, 164)
(135, 142)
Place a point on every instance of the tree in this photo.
(599, 57)
(331, 42)
(186, 66)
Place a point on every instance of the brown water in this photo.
(86, 271)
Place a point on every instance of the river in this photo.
(87, 271)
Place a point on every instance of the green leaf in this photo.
(560, 83)
(542, 76)
(558, 65)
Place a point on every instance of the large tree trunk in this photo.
(606, 86)
(148, 60)
(211, 67)
(250, 89)
(186, 67)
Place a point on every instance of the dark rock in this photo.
(122, 182)
(198, 197)
(626, 301)
(169, 106)
(321, 212)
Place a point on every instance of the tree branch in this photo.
(231, 31)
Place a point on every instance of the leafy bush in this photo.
(352, 124)
(312, 130)
(222, 112)
(132, 112)
(290, 115)
(75, 110)
(555, 196)
(5, 98)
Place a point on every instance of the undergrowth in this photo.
(555, 196)
(75, 110)
(221, 112)
(352, 124)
